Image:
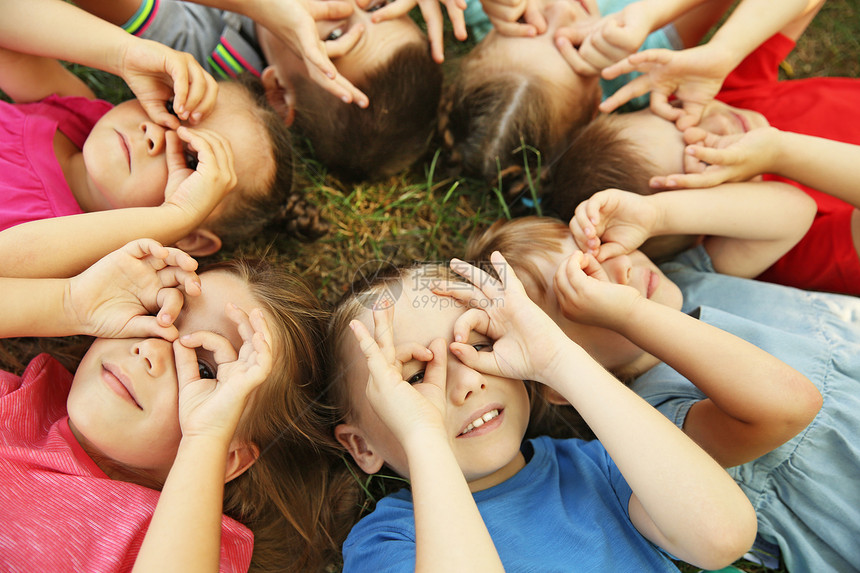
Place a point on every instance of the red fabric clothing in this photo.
(825, 259)
(58, 510)
(33, 186)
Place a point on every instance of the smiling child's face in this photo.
(123, 404)
(488, 451)
(125, 158)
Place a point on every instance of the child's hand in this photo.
(711, 159)
(294, 23)
(216, 381)
(605, 41)
(432, 15)
(585, 294)
(506, 16)
(117, 296)
(408, 409)
(527, 342)
(199, 189)
(690, 75)
(156, 73)
(613, 222)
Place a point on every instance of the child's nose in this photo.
(619, 269)
(462, 381)
(153, 137)
(156, 353)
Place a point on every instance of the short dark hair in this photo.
(391, 133)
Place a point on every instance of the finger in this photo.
(432, 14)
(315, 54)
(534, 16)
(482, 280)
(590, 7)
(187, 370)
(145, 326)
(574, 58)
(263, 355)
(660, 106)
(691, 116)
(592, 267)
(174, 154)
(412, 351)
(436, 371)
(145, 248)
(383, 332)
(208, 88)
(376, 362)
(171, 277)
(607, 251)
(695, 135)
(465, 294)
(179, 258)
(343, 45)
(473, 319)
(484, 362)
(618, 68)
(456, 16)
(574, 34)
(633, 89)
(221, 348)
(333, 9)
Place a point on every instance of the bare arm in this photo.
(748, 225)
(28, 78)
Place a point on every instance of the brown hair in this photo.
(490, 116)
(391, 133)
(290, 497)
(249, 211)
(599, 156)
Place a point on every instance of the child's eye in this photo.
(416, 378)
(206, 371)
(483, 347)
(170, 110)
(377, 6)
(191, 159)
(335, 34)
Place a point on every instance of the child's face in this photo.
(487, 454)
(377, 43)
(609, 348)
(539, 56)
(125, 155)
(123, 401)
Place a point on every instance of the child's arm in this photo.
(155, 73)
(823, 164)
(116, 297)
(65, 246)
(695, 75)
(27, 78)
(450, 532)
(755, 401)
(749, 226)
(698, 514)
(185, 531)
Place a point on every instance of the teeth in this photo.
(477, 423)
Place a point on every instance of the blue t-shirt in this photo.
(566, 510)
(806, 492)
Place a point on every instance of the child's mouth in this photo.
(480, 421)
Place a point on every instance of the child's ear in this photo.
(280, 96)
(240, 457)
(554, 397)
(352, 438)
(199, 243)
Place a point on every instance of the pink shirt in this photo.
(58, 510)
(32, 185)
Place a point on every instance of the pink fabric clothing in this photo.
(33, 186)
(825, 259)
(58, 510)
